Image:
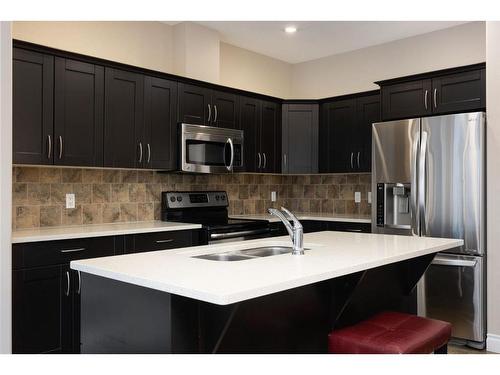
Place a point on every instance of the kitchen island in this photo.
(175, 302)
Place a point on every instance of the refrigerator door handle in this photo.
(413, 202)
(442, 261)
(422, 182)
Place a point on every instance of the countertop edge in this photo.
(104, 233)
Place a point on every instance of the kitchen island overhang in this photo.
(170, 302)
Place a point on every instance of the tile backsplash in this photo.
(114, 195)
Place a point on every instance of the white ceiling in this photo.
(317, 39)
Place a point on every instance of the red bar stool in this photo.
(392, 333)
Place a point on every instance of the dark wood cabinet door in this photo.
(194, 105)
(300, 138)
(123, 119)
(459, 92)
(42, 310)
(79, 113)
(250, 120)
(160, 123)
(407, 100)
(225, 110)
(367, 112)
(340, 134)
(270, 131)
(32, 105)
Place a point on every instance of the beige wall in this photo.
(251, 71)
(145, 44)
(186, 49)
(493, 182)
(356, 71)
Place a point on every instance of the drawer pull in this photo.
(353, 230)
(72, 250)
(79, 283)
(164, 241)
(67, 284)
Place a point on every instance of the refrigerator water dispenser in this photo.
(393, 205)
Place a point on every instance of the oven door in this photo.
(206, 149)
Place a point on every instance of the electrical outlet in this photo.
(273, 196)
(369, 197)
(70, 200)
(357, 197)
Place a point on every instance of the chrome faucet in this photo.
(296, 231)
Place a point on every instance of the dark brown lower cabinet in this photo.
(46, 292)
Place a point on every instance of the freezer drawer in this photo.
(452, 290)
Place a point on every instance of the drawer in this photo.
(143, 242)
(45, 253)
(343, 226)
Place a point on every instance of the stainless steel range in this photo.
(210, 209)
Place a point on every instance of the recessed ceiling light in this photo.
(290, 29)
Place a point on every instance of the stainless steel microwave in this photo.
(207, 149)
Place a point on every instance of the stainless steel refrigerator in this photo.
(428, 179)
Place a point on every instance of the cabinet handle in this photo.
(284, 161)
(60, 147)
(72, 250)
(260, 160)
(67, 284)
(79, 283)
(140, 152)
(352, 165)
(435, 98)
(265, 160)
(149, 153)
(353, 230)
(49, 153)
(165, 241)
(425, 99)
(215, 113)
(209, 112)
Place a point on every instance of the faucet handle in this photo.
(296, 223)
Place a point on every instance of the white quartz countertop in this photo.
(330, 255)
(96, 230)
(311, 216)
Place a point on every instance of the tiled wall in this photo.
(112, 195)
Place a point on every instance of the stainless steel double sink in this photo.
(245, 254)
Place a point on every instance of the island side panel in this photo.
(118, 317)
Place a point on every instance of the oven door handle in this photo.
(231, 161)
(222, 236)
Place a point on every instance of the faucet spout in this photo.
(296, 231)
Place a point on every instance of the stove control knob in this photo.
(216, 197)
(179, 199)
(223, 197)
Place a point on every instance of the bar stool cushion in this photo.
(391, 333)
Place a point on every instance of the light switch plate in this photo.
(369, 197)
(273, 196)
(70, 200)
(357, 197)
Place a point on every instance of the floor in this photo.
(461, 349)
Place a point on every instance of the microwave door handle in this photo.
(231, 145)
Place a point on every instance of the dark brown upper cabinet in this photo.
(202, 106)
(250, 120)
(261, 123)
(270, 138)
(123, 119)
(345, 133)
(160, 124)
(32, 104)
(78, 115)
(300, 138)
(449, 91)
